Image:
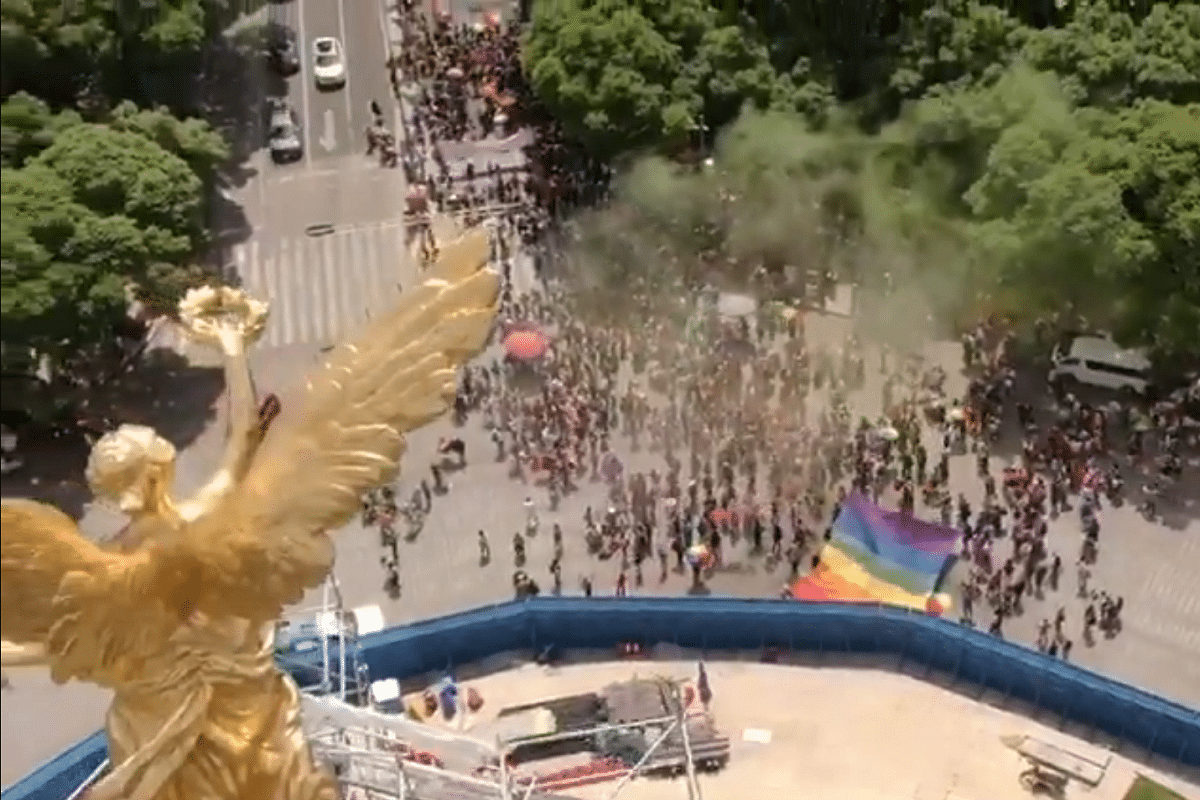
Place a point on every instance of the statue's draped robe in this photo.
(169, 740)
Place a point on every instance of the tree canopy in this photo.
(103, 51)
(1027, 159)
(104, 190)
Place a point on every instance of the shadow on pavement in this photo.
(163, 391)
(228, 226)
(231, 94)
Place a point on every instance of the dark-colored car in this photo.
(284, 136)
(282, 51)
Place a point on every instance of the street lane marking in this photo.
(305, 79)
(341, 16)
(384, 32)
(325, 288)
(283, 268)
(315, 254)
(403, 274)
(328, 140)
(317, 173)
(345, 302)
(375, 271)
(324, 305)
(262, 280)
(239, 261)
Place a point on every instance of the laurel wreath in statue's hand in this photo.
(222, 316)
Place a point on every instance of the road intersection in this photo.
(326, 240)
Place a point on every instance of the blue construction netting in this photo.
(970, 658)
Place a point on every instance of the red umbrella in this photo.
(526, 344)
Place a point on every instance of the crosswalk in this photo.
(321, 288)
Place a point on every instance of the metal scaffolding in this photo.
(376, 765)
(378, 755)
(333, 629)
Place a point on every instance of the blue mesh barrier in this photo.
(971, 659)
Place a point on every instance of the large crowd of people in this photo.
(756, 428)
(464, 85)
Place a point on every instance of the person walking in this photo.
(485, 550)
(531, 517)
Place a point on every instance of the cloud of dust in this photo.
(889, 213)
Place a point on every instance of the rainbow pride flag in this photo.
(876, 555)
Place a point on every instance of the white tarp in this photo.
(385, 691)
(369, 619)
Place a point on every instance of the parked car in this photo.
(284, 140)
(329, 63)
(282, 51)
(1097, 360)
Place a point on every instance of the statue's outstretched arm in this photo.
(243, 408)
(242, 430)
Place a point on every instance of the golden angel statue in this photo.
(178, 620)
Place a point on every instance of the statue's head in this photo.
(131, 467)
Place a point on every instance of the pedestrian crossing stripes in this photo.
(323, 287)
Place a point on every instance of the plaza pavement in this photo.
(851, 733)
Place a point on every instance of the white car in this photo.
(1099, 361)
(329, 63)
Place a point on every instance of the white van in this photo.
(1099, 361)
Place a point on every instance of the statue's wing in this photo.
(267, 542)
(87, 606)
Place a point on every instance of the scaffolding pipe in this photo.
(370, 787)
(326, 686)
(504, 795)
(692, 784)
(529, 790)
(642, 761)
(81, 790)
(340, 615)
(341, 623)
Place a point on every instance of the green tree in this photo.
(27, 127)
(104, 49)
(61, 295)
(1065, 207)
(954, 42)
(627, 75)
(191, 138)
(1107, 58)
(115, 172)
(608, 74)
(95, 216)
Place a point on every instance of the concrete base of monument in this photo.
(847, 733)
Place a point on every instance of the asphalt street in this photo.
(326, 240)
(335, 119)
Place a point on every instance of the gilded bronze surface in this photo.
(178, 620)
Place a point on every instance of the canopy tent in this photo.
(876, 555)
